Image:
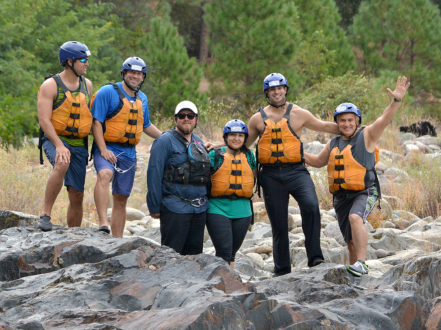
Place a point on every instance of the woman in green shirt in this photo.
(232, 183)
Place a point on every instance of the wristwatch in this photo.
(397, 100)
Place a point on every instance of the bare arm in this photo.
(319, 160)
(312, 122)
(253, 131)
(89, 87)
(46, 97)
(152, 131)
(98, 135)
(373, 131)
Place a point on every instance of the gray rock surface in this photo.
(83, 279)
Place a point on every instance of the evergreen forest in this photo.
(217, 52)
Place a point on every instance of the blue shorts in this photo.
(76, 173)
(123, 175)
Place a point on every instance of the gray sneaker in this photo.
(358, 269)
(44, 223)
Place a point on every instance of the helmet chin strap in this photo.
(72, 67)
(136, 90)
(275, 105)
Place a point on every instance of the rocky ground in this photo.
(83, 279)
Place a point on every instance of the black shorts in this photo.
(361, 203)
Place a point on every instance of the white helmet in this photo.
(186, 105)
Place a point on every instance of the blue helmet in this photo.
(134, 64)
(72, 50)
(274, 80)
(347, 108)
(235, 126)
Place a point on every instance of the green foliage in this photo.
(173, 76)
(347, 10)
(405, 39)
(325, 50)
(30, 36)
(250, 39)
(323, 98)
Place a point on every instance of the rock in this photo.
(10, 219)
(256, 259)
(422, 275)
(313, 147)
(84, 279)
(407, 137)
(134, 214)
(394, 202)
(380, 213)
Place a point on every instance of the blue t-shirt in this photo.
(106, 102)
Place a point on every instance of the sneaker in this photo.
(104, 229)
(359, 268)
(44, 223)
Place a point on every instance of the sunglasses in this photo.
(119, 170)
(83, 60)
(190, 116)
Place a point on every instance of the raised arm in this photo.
(320, 159)
(374, 130)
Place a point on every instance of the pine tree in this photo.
(172, 75)
(401, 36)
(325, 49)
(250, 39)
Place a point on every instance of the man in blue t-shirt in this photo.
(120, 115)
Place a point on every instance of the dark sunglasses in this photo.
(83, 60)
(190, 116)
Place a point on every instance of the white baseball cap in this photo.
(186, 105)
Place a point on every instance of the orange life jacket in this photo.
(353, 167)
(234, 178)
(71, 116)
(278, 143)
(125, 124)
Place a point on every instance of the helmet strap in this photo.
(274, 105)
(72, 67)
(136, 90)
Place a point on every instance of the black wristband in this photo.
(397, 100)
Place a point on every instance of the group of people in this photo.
(191, 184)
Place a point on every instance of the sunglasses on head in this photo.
(83, 60)
(190, 116)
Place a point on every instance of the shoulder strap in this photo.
(121, 102)
(179, 137)
(288, 111)
(218, 158)
(263, 114)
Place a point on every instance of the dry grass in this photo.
(23, 179)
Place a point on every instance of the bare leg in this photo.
(101, 195)
(53, 186)
(118, 219)
(75, 208)
(359, 236)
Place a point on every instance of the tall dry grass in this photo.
(23, 179)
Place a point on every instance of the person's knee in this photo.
(355, 220)
(75, 196)
(104, 176)
(120, 200)
(61, 168)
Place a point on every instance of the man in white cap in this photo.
(177, 177)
